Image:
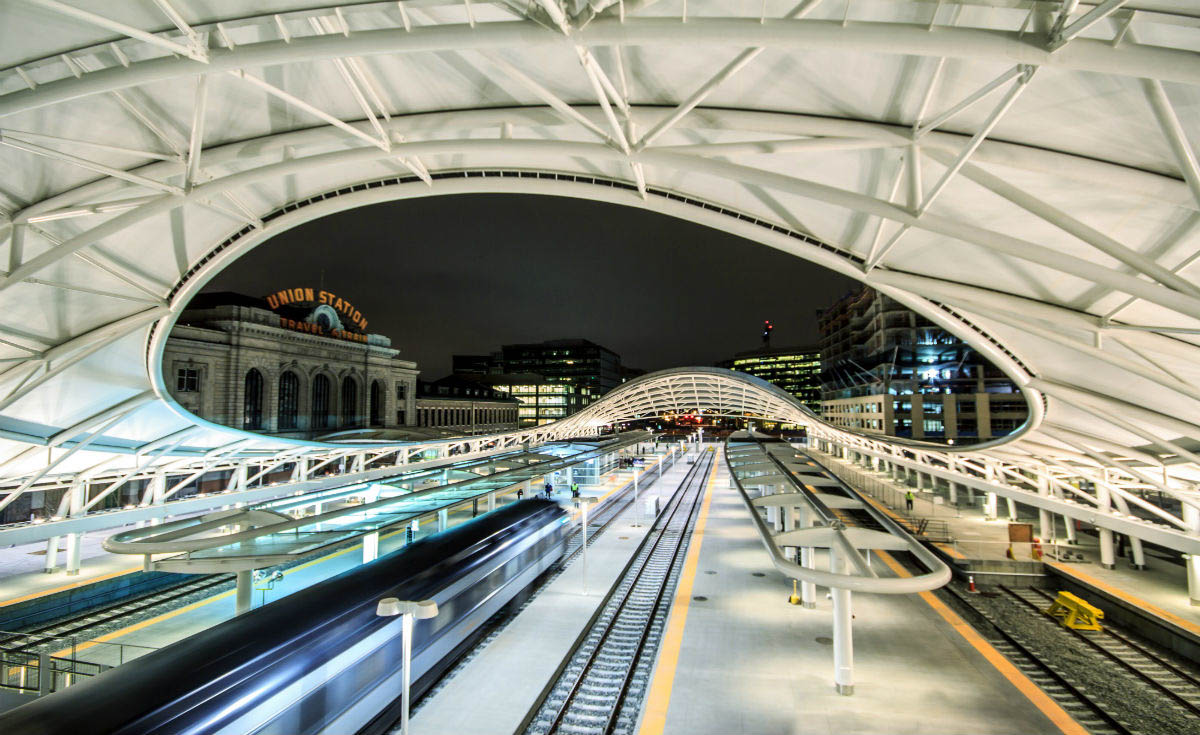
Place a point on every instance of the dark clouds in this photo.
(465, 274)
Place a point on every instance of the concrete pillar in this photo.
(491, 500)
(989, 507)
(952, 493)
(370, 547)
(51, 554)
(1193, 577)
(808, 590)
(1045, 521)
(443, 519)
(1070, 524)
(73, 556)
(155, 490)
(920, 481)
(237, 478)
(1108, 559)
(1012, 509)
(1139, 554)
(245, 590)
(789, 524)
(843, 635)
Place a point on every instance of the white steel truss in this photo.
(1062, 251)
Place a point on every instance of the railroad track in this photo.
(124, 612)
(1175, 683)
(598, 522)
(599, 687)
(1051, 679)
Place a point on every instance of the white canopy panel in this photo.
(1024, 173)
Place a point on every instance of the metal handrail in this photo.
(939, 575)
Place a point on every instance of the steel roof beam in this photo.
(193, 52)
(1128, 59)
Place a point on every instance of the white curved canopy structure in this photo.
(1022, 172)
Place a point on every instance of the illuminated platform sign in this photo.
(330, 314)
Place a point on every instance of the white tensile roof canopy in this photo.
(1023, 173)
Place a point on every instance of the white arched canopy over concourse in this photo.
(1022, 172)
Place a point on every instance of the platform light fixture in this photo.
(390, 607)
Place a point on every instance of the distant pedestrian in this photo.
(574, 489)
(549, 490)
(908, 499)
(520, 493)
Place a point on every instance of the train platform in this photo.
(526, 652)
(23, 576)
(737, 658)
(1158, 591)
(123, 643)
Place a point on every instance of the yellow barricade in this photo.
(1075, 612)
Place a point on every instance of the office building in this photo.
(589, 370)
(541, 400)
(887, 370)
(796, 370)
(594, 370)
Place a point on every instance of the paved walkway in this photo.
(22, 576)
(1160, 589)
(737, 658)
(496, 690)
(204, 613)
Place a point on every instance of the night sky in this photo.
(466, 274)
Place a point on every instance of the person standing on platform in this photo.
(549, 490)
(908, 499)
(520, 493)
(574, 489)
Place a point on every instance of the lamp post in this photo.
(390, 607)
(637, 508)
(582, 503)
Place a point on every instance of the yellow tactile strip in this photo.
(1032, 692)
(658, 700)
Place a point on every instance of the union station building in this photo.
(304, 369)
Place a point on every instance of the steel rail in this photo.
(1072, 696)
(636, 566)
(1094, 642)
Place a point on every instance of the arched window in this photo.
(252, 400)
(320, 402)
(350, 416)
(289, 400)
(376, 403)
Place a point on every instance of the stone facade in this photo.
(235, 365)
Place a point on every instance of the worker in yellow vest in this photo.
(908, 499)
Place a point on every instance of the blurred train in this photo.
(319, 660)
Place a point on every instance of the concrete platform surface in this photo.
(494, 692)
(1159, 589)
(125, 643)
(745, 661)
